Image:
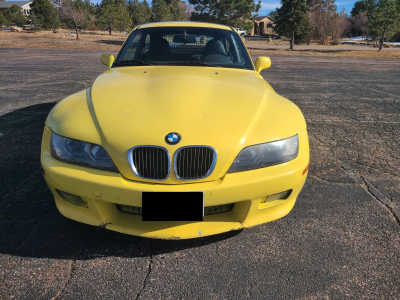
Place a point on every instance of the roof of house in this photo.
(258, 19)
(7, 4)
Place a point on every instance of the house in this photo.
(263, 25)
(24, 5)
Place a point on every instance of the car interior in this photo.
(183, 45)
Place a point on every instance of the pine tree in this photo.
(292, 20)
(161, 11)
(36, 23)
(177, 13)
(146, 14)
(107, 15)
(45, 14)
(3, 21)
(15, 16)
(140, 11)
(383, 17)
(123, 20)
(133, 7)
(236, 13)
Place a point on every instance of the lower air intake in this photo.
(210, 210)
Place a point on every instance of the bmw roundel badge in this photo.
(172, 138)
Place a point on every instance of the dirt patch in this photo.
(393, 54)
(101, 40)
(65, 39)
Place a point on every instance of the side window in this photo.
(239, 54)
(146, 47)
(131, 48)
(227, 46)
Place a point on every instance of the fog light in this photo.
(280, 196)
(129, 209)
(71, 198)
(219, 209)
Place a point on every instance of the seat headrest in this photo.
(214, 46)
(159, 45)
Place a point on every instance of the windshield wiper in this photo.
(132, 63)
(192, 63)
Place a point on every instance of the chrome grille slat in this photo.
(194, 162)
(149, 162)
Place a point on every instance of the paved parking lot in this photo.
(342, 239)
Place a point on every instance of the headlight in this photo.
(264, 155)
(80, 153)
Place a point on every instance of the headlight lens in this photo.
(80, 153)
(264, 155)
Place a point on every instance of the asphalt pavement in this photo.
(341, 241)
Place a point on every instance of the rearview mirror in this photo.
(180, 38)
(262, 63)
(107, 59)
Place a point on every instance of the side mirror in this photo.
(262, 63)
(107, 60)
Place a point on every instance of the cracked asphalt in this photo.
(341, 241)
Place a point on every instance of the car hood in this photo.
(206, 106)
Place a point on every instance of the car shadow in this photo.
(30, 224)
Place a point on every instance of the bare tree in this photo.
(73, 12)
(187, 8)
(323, 17)
(360, 22)
(342, 27)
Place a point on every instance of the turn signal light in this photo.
(71, 198)
(280, 196)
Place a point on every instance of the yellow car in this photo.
(180, 138)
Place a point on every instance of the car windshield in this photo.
(181, 46)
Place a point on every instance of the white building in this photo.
(24, 5)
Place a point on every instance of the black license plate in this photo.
(172, 206)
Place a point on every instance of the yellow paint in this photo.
(189, 24)
(262, 63)
(139, 105)
(107, 60)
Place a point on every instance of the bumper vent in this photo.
(149, 162)
(210, 210)
(194, 162)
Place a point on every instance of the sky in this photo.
(267, 6)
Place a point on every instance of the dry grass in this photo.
(88, 40)
(393, 54)
(98, 40)
(264, 42)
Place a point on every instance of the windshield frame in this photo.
(236, 40)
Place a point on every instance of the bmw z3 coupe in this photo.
(180, 138)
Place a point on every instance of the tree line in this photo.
(123, 15)
(300, 20)
(306, 20)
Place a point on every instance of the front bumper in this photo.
(102, 190)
